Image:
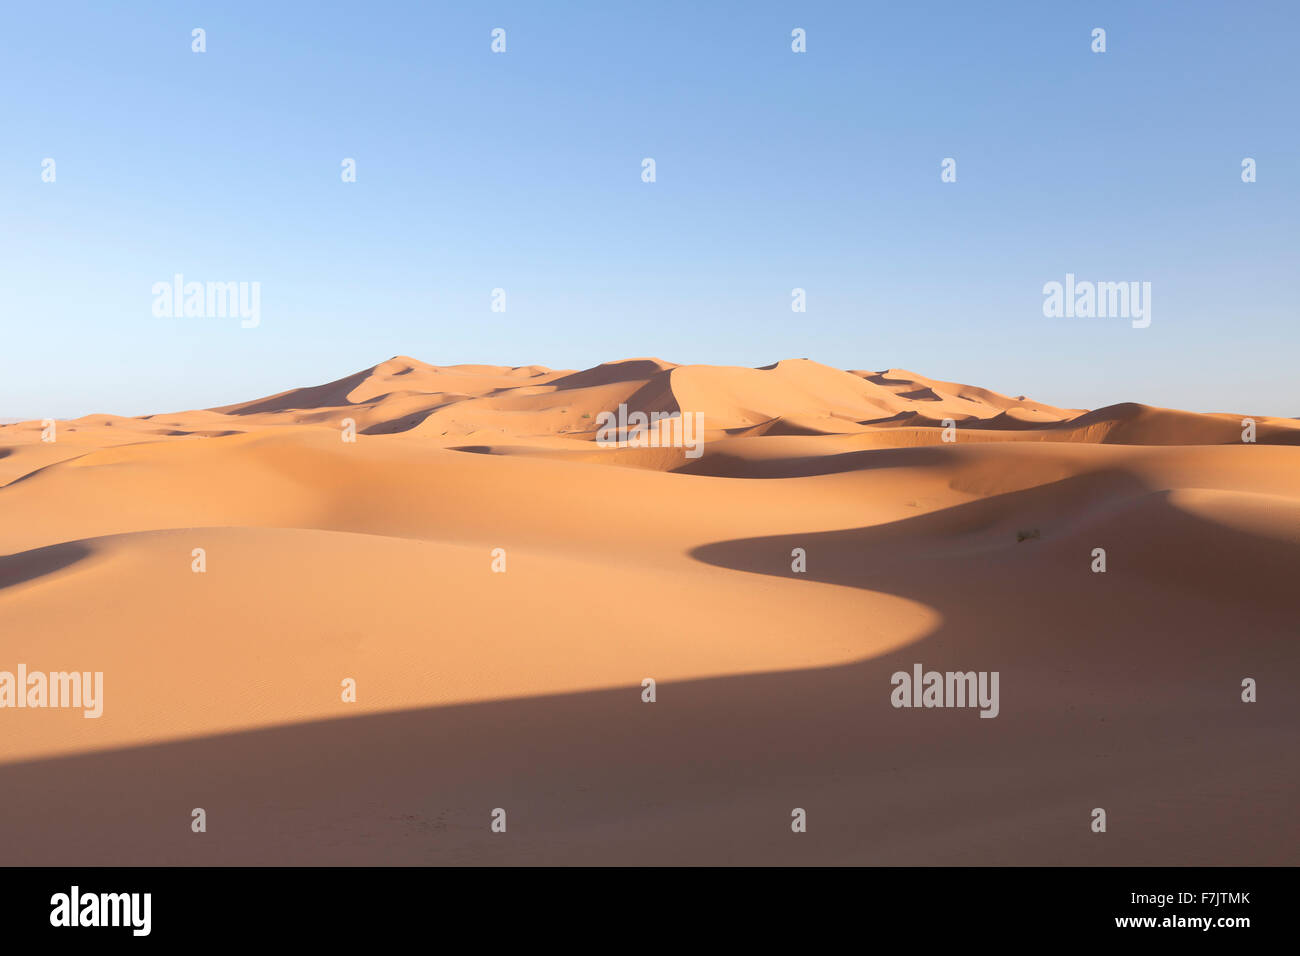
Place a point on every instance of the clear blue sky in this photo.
(775, 170)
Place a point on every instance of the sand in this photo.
(477, 689)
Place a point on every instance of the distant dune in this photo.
(940, 523)
(503, 409)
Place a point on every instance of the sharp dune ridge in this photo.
(326, 559)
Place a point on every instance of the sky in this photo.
(774, 170)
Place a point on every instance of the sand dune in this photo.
(373, 560)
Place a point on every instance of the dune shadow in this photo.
(26, 566)
(722, 465)
(201, 433)
(311, 397)
(403, 423)
(630, 370)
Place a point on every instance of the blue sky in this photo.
(775, 170)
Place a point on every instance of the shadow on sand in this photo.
(1117, 691)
